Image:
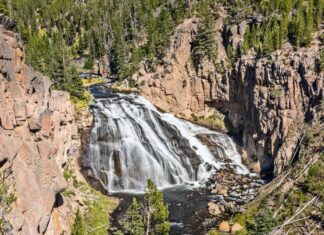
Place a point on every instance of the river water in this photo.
(131, 141)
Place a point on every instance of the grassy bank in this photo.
(92, 215)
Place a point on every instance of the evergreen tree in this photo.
(3, 7)
(156, 212)
(283, 33)
(151, 217)
(264, 221)
(267, 44)
(74, 84)
(297, 29)
(205, 44)
(89, 63)
(309, 27)
(246, 43)
(134, 221)
(253, 37)
(319, 12)
(275, 35)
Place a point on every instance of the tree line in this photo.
(280, 21)
(57, 31)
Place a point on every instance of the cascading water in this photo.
(132, 141)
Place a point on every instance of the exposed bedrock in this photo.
(37, 135)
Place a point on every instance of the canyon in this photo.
(268, 104)
(265, 101)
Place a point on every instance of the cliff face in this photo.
(37, 135)
(266, 100)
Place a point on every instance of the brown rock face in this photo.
(36, 129)
(265, 100)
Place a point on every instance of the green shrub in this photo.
(276, 92)
(263, 222)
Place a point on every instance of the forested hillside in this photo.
(57, 31)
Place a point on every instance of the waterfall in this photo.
(132, 141)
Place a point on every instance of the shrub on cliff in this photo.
(6, 200)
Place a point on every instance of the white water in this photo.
(132, 141)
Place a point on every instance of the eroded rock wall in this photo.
(37, 135)
(266, 99)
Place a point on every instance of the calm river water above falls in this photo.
(131, 141)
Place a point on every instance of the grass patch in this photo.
(276, 92)
(92, 81)
(214, 121)
(96, 216)
(95, 219)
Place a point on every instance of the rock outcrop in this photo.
(266, 100)
(37, 135)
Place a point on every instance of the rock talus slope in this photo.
(266, 99)
(37, 135)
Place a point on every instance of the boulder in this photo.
(214, 209)
(35, 122)
(236, 228)
(224, 227)
(20, 112)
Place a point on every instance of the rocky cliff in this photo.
(37, 136)
(265, 100)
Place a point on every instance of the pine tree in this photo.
(275, 35)
(264, 221)
(151, 217)
(319, 12)
(89, 63)
(283, 33)
(253, 36)
(74, 85)
(205, 44)
(296, 29)
(3, 7)
(156, 212)
(246, 43)
(134, 221)
(309, 27)
(267, 44)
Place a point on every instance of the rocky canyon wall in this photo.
(266, 99)
(37, 135)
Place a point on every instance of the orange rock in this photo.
(19, 53)
(46, 123)
(224, 227)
